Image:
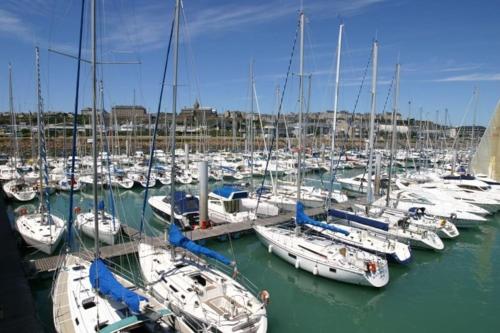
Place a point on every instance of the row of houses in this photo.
(193, 119)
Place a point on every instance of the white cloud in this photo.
(13, 26)
(461, 68)
(471, 77)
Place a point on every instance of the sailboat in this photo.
(16, 187)
(204, 298)
(42, 230)
(313, 252)
(485, 162)
(322, 256)
(87, 296)
(201, 295)
(109, 224)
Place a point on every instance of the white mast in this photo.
(337, 88)
(301, 102)
(394, 132)
(174, 110)
(94, 125)
(251, 124)
(372, 122)
(40, 129)
(335, 108)
(13, 115)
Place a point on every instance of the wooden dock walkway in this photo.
(17, 309)
(50, 264)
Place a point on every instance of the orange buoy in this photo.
(77, 210)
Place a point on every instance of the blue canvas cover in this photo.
(185, 204)
(301, 218)
(176, 238)
(231, 192)
(359, 219)
(100, 276)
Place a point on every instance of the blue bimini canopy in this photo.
(301, 218)
(231, 192)
(185, 203)
(358, 219)
(102, 279)
(176, 238)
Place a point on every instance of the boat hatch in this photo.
(202, 280)
(88, 303)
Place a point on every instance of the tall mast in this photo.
(251, 123)
(372, 122)
(94, 125)
(301, 102)
(335, 108)
(174, 110)
(11, 110)
(337, 88)
(40, 129)
(394, 133)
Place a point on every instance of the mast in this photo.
(335, 108)
(251, 124)
(94, 125)
(372, 123)
(394, 133)
(301, 102)
(40, 129)
(11, 109)
(174, 110)
(337, 88)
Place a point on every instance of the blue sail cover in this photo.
(358, 219)
(176, 238)
(301, 218)
(109, 286)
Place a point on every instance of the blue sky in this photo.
(446, 48)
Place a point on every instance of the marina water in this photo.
(456, 290)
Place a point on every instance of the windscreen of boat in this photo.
(232, 206)
(187, 205)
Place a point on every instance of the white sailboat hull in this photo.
(286, 251)
(43, 237)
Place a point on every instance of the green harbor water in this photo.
(456, 290)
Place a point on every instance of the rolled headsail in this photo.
(176, 238)
(301, 218)
(486, 159)
(104, 281)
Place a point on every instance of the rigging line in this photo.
(344, 141)
(192, 59)
(75, 132)
(273, 138)
(153, 140)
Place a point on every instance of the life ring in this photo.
(264, 296)
(77, 210)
